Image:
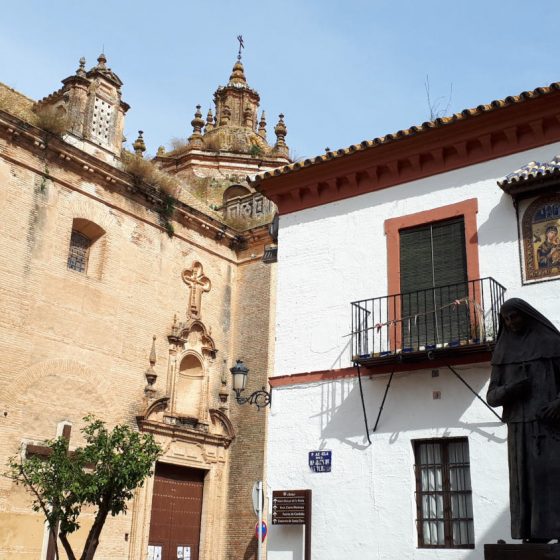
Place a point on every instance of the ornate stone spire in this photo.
(139, 145)
(209, 121)
(151, 375)
(262, 126)
(281, 131)
(195, 140)
(197, 122)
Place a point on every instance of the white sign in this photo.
(255, 495)
(154, 552)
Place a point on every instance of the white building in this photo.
(424, 212)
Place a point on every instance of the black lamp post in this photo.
(259, 398)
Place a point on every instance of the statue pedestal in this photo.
(522, 551)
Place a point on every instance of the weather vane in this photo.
(241, 46)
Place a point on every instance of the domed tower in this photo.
(226, 147)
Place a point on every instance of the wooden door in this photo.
(176, 513)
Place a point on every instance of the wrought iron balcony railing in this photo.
(454, 316)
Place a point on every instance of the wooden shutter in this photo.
(433, 270)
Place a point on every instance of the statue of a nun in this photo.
(526, 382)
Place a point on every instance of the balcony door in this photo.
(433, 275)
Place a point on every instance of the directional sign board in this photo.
(291, 507)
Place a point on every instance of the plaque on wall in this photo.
(540, 226)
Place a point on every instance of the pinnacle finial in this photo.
(262, 126)
(150, 374)
(139, 145)
(281, 131)
(81, 71)
(198, 121)
(102, 60)
(209, 120)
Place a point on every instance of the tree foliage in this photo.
(103, 474)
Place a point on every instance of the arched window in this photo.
(235, 191)
(79, 251)
(85, 253)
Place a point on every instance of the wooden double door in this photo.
(176, 513)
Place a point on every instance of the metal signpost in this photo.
(258, 502)
(293, 507)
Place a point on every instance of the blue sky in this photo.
(341, 72)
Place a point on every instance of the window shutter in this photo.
(432, 257)
(450, 263)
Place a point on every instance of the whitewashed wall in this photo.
(335, 254)
(365, 508)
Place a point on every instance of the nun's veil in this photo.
(539, 340)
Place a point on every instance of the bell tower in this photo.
(91, 101)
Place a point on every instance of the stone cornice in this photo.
(483, 137)
(89, 167)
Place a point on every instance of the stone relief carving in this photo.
(198, 284)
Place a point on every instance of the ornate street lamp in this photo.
(259, 398)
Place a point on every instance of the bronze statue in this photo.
(526, 382)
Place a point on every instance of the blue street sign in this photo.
(320, 461)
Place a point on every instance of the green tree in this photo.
(103, 474)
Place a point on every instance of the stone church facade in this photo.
(129, 287)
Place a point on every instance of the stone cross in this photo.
(198, 283)
(43, 451)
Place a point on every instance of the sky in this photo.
(340, 71)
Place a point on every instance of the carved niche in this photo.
(541, 239)
(192, 344)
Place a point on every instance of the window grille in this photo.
(443, 493)
(78, 252)
(102, 120)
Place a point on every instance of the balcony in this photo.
(444, 322)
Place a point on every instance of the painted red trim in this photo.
(490, 135)
(468, 209)
(344, 373)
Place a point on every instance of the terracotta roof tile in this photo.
(532, 170)
(416, 129)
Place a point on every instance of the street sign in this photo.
(320, 461)
(264, 530)
(291, 507)
(255, 495)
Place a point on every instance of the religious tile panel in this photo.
(540, 239)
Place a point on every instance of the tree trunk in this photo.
(67, 547)
(92, 540)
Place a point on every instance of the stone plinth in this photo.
(522, 551)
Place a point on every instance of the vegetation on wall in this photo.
(52, 119)
(146, 174)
